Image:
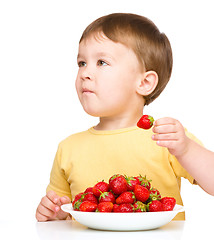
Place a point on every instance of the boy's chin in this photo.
(94, 113)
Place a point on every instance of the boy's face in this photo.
(107, 78)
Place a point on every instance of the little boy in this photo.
(124, 64)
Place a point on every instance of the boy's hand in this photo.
(171, 134)
(49, 207)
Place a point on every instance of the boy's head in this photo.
(151, 47)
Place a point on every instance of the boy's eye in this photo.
(81, 64)
(101, 63)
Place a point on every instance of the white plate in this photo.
(123, 221)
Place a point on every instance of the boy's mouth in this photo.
(86, 90)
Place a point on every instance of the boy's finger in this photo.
(44, 211)
(163, 137)
(46, 202)
(164, 121)
(170, 128)
(65, 199)
(40, 217)
(167, 144)
(53, 196)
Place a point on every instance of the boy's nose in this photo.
(86, 74)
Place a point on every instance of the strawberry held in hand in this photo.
(145, 122)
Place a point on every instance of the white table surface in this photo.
(72, 230)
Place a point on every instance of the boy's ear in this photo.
(147, 83)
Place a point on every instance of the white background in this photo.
(38, 103)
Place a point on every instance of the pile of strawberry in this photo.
(123, 194)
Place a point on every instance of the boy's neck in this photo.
(117, 123)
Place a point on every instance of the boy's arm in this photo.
(197, 160)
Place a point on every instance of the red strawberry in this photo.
(141, 193)
(126, 197)
(88, 206)
(107, 197)
(154, 194)
(99, 188)
(115, 207)
(90, 197)
(125, 207)
(131, 182)
(118, 184)
(77, 197)
(104, 207)
(89, 190)
(145, 122)
(77, 201)
(145, 182)
(114, 176)
(140, 207)
(168, 203)
(155, 206)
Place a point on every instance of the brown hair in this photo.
(151, 47)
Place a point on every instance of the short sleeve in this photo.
(58, 182)
(178, 169)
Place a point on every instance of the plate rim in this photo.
(64, 208)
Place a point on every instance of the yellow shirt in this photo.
(85, 158)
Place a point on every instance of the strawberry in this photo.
(125, 207)
(104, 207)
(90, 197)
(83, 197)
(88, 206)
(107, 197)
(118, 184)
(126, 197)
(89, 190)
(145, 182)
(154, 194)
(139, 207)
(99, 188)
(145, 122)
(114, 176)
(77, 197)
(77, 201)
(131, 182)
(168, 203)
(115, 207)
(141, 193)
(155, 206)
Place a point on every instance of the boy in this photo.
(124, 64)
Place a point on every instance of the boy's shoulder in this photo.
(73, 138)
